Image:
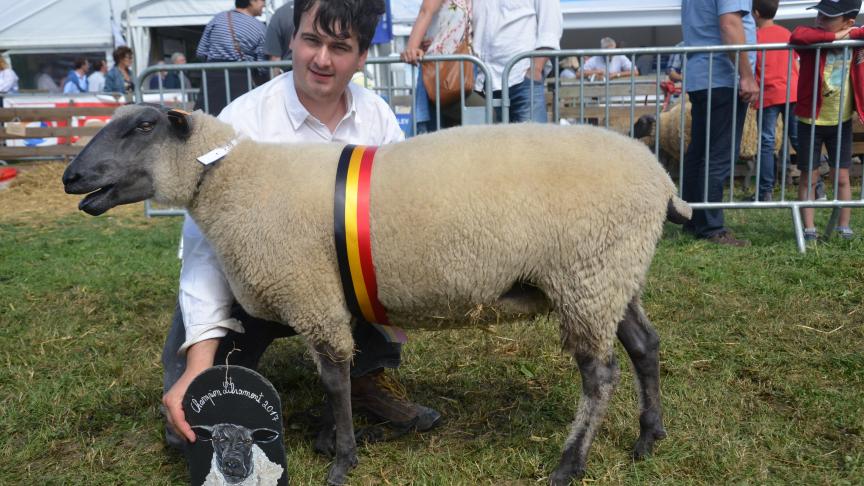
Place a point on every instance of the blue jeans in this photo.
(767, 168)
(707, 223)
(421, 106)
(527, 102)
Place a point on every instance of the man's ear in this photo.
(180, 120)
(362, 62)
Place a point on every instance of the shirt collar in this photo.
(298, 113)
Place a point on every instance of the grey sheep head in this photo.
(232, 447)
(118, 165)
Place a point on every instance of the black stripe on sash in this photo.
(339, 232)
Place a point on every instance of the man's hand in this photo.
(748, 89)
(199, 357)
(173, 401)
(538, 64)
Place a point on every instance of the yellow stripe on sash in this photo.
(351, 235)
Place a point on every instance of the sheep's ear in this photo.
(263, 436)
(180, 123)
(203, 432)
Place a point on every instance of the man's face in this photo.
(833, 24)
(180, 60)
(323, 65)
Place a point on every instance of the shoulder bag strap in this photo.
(234, 38)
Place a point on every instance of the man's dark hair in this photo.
(360, 16)
(97, 64)
(79, 63)
(767, 8)
(241, 3)
(851, 16)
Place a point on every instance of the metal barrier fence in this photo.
(593, 106)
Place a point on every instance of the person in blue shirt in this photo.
(119, 78)
(76, 80)
(713, 23)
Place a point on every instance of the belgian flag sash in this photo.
(353, 239)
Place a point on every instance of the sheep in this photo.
(670, 124)
(468, 226)
(237, 459)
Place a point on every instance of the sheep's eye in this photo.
(247, 441)
(144, 127)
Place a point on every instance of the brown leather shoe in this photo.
(382, 397)
(726, 237)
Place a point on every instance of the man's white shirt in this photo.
(505, 28)
(617, 64)
(270, 113)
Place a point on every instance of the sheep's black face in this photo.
(116, 166)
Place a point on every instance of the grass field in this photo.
(762, 366)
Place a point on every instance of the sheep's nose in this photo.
(70, 177)
(232, 464)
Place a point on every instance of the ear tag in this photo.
(217, 153)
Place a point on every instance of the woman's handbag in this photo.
(450, 88)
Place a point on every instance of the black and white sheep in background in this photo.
(237, 459)
(469, 226)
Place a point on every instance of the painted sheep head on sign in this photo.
(232, 447)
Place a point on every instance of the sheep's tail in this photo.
(678, 211)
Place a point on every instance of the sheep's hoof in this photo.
(565, 475)
(338, 474)
(644, 446)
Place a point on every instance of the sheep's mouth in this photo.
(97, 202)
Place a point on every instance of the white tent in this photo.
(39, 26)
(48, 26)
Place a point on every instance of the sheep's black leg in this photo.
(599, 378)
(335, 375)
(642, 344)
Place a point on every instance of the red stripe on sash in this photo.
(364, 234)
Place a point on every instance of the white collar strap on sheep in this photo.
(218, 153)
(354, 242)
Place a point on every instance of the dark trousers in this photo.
(221, 92)
(707, 223)
(373, 353)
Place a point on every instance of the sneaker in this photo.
(380, 396)
(845, 232)
(810, 234)
(820, 191)
(726, 237)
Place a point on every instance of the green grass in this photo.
(762, 369)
